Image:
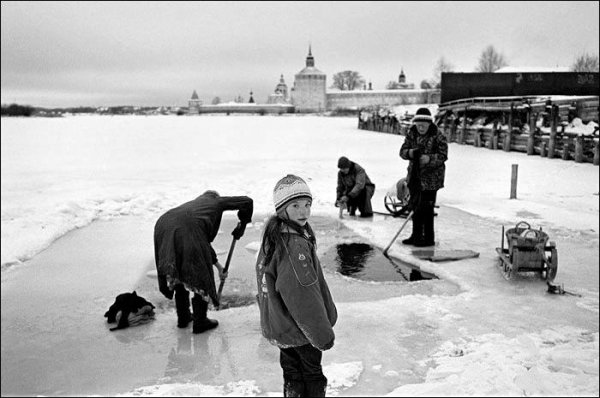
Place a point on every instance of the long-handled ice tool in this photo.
(398, 233)
(229, 255)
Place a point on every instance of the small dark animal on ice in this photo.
(127, 303)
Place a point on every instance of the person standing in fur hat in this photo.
(297, 312)
(354, 188)
(426, 149)
(185, 258)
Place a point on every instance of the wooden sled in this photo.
(528, 251)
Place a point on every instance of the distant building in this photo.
(282, 89)
(280, 94)
(401, 84)
(309, 93)
(194, 104)
(401, 77)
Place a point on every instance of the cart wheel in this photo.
(394, 205)
(552, 265)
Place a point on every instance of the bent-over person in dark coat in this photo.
(184, 255)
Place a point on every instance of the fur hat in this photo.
(343, 163)
(289, 188)
(423, 115)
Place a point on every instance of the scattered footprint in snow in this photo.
(342, 376)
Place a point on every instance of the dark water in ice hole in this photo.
(357, 260)
(363, 261)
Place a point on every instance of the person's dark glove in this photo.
(238, 232)
(414, 153)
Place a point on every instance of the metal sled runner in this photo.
(528, 251)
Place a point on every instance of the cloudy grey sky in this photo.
(157, 53)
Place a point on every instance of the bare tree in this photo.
(490, 60)
(442, 65)
(426, 85)
(585, 63)
(347, 80)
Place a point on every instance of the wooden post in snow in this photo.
(579, 149)
(530, 139)
(513, 181)
(453, 128)
(566, 144)
(463, 130)
(553, 126)
(543, 151)
(507, 138)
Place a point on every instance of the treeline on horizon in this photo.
(27, 110)
(17, 110)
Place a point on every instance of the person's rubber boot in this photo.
(294, 388)
(417, 231)
(428, 230)
(315, 388)
(201, 322)
(182, 304)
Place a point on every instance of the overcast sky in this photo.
(138, 53)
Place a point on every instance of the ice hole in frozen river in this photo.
(343, 251)
(363, 261)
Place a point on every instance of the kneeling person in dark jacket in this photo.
(354, 188)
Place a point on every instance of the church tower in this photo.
(402, 77)
(282, 89)
(194, 104)
(309, 91)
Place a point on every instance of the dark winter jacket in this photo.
(296, 307)
(182, 238)
(352, 183)
(434, 144)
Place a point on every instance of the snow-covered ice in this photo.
(109, 178)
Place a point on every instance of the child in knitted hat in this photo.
(297, 312)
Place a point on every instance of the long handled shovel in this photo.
(398, 233)
(229, 255)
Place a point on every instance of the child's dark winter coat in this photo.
(296, 307)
